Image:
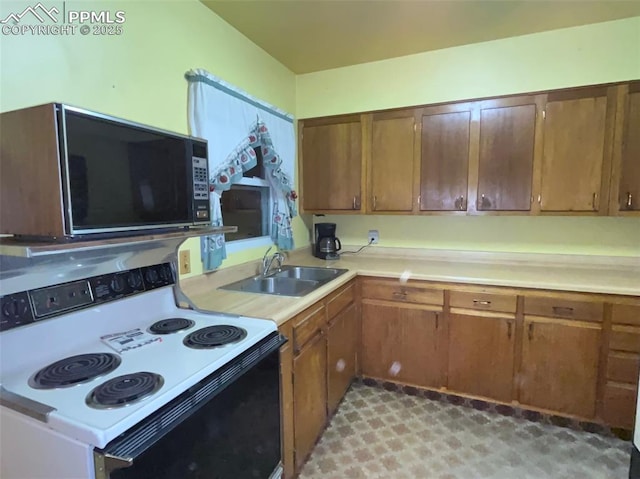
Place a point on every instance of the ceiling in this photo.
(313, 35)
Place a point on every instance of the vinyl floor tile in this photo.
(379, 434)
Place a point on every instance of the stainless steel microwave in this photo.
(70, 173)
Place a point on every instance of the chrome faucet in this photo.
(267, 261)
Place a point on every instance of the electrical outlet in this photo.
(185, 262)
(373, 237)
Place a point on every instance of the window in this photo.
(247, 205)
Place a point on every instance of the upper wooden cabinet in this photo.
(505, 156)
(332, 167)
(392, 161)
(444, 158)
(578, 127)
(625, 194)
(573, 151)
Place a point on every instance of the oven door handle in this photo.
(104, 464)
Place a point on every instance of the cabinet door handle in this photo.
(562, 310)
(354, 202)
(463, 204)
(375, 201)
(629, 203)
(530, 333)
(594, 202)
(399, 295)
(509, 325)
(479, 302)
(437, 320)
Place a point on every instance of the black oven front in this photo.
(225, 427)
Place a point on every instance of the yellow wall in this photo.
(140, 74)
(605, 52)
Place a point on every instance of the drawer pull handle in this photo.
(478, 302)
(530, 331)
(400, 295)
(562, 310)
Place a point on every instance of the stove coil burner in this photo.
(124, 390)
(74, 370)
(214, 336)
(171, 325)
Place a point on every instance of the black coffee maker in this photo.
(326, 245)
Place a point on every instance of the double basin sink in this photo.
(287, 281)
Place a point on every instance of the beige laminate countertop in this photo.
(616, 276)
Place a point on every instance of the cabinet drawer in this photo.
(562, 308)
(625, 314)
(307, 325)
(340, 300)
(623, 367)
(410, 292)
(619, 405)
(505, 303)
(625, 338)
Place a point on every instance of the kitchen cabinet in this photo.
(332, 169)
(400, 343)
(623, 367)
(506, 153)
(401, 332)
(317, 367)
(342, 341)
(392, 161)
(309, 396)
(481, 355)
(577, 133)
(560, 355)
(625, 197)
(444, 158)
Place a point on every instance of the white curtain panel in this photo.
(227, 117)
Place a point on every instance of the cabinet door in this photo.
(574, 147)
(310, 396)
(481, 355)
(391, 168)
(505, 171)
(444, 161)
(629, 190)
(400, 343)
(560, 365)
(341, 355)
(286, 401)
(331, 166)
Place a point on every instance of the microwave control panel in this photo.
(200, 180)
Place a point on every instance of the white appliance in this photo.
(181, 383)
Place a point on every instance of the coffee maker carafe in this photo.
(326, 245)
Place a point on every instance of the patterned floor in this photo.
(379, 434)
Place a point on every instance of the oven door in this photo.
(225, 427)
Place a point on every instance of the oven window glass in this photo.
(124, 176)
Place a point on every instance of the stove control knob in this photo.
(151, 276)
(117, 284)
(134, 279)
(165, 273)
(14, 308)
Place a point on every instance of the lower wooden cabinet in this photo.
(342, 341)
(559, 369)
(400, 343)
(309, 396)
(481, 355)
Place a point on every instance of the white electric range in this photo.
(99, 375)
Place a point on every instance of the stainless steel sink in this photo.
(287, 281)
(309, 273)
